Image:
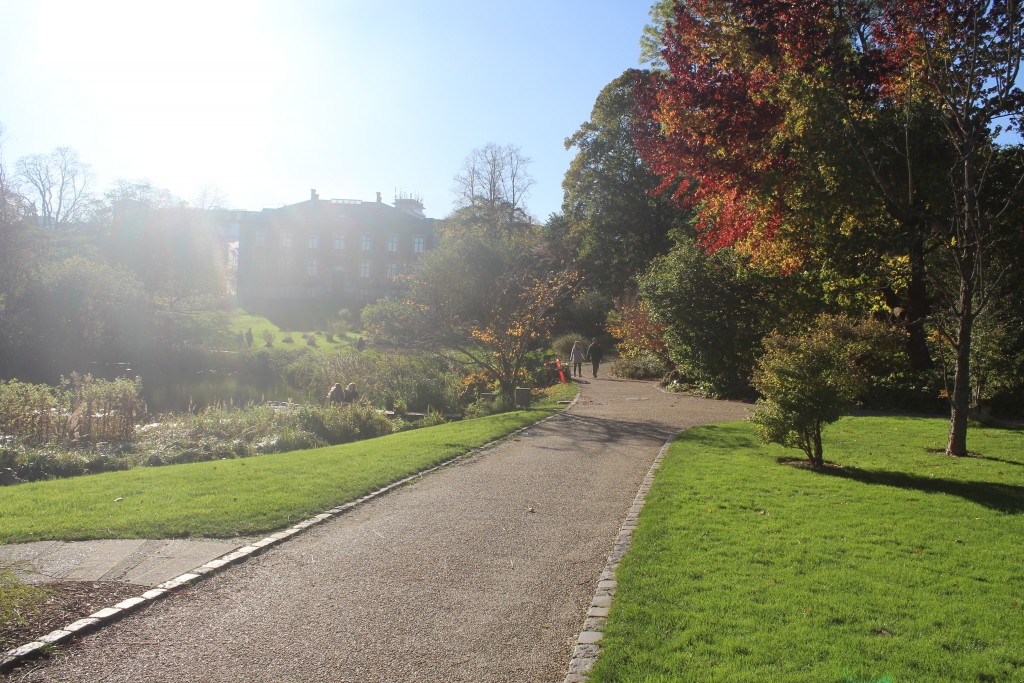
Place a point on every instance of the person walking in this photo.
(595, 353)
(576, 358)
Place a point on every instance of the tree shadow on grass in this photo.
(978, 456)
(1008, 498)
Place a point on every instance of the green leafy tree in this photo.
(78, 309)
(812, 379)
(716, 309)
(169, 246)
(617, 223)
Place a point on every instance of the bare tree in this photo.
(61, 184)
(209, 197)
(494, 179)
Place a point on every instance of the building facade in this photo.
(330, 253)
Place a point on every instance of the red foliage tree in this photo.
(765, 102)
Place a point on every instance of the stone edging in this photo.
(104, 617)
(587, 649)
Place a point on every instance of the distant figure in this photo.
(595, 353)
(360, 344)
(576, 358)
(248, 337)
(337, 395)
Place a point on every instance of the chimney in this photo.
(313, 196)
(378, 198)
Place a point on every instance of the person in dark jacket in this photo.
(595, 353)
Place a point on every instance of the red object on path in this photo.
(561, 370)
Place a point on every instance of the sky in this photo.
(265, 100)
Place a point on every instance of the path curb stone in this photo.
(587, 649)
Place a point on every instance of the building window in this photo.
(419, 244)
(392, 242)
(364, 269)
(261, 238)
(367, 243)
(392, 270)
(313, 241)
(286, 239)
(311, 267)
(339, 242)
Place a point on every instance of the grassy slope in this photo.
(904, 565)
(239, 497)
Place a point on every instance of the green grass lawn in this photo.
(242, 496)
(902, 565)
(218, 330)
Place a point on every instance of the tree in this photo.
(478, 303)
(166, 244)
(810, 380)
(78, 309)
(22, 246)
(965, 59)
(490, 193)
(916, 91)
(616, 220)
(61, 184)
(716, 309)
(635, 331)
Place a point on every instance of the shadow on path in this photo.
(590, 429)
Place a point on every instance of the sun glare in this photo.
(192, 84)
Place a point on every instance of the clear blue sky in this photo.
(266, 100)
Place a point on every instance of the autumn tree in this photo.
(479, 303)
(636, 332)
(907, 98)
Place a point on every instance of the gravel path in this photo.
(482, 571)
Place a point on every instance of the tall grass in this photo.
(81, 409)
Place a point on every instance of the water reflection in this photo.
(176, 387)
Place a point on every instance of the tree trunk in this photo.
(917, 307)
(960, 400)
(819, 458)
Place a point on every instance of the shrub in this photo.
(642, 366)
(482, 407)
(810, 380)
(268, 337)
(637, 334)
(337, 424)
(562, 345)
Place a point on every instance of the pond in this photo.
(179, 387)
